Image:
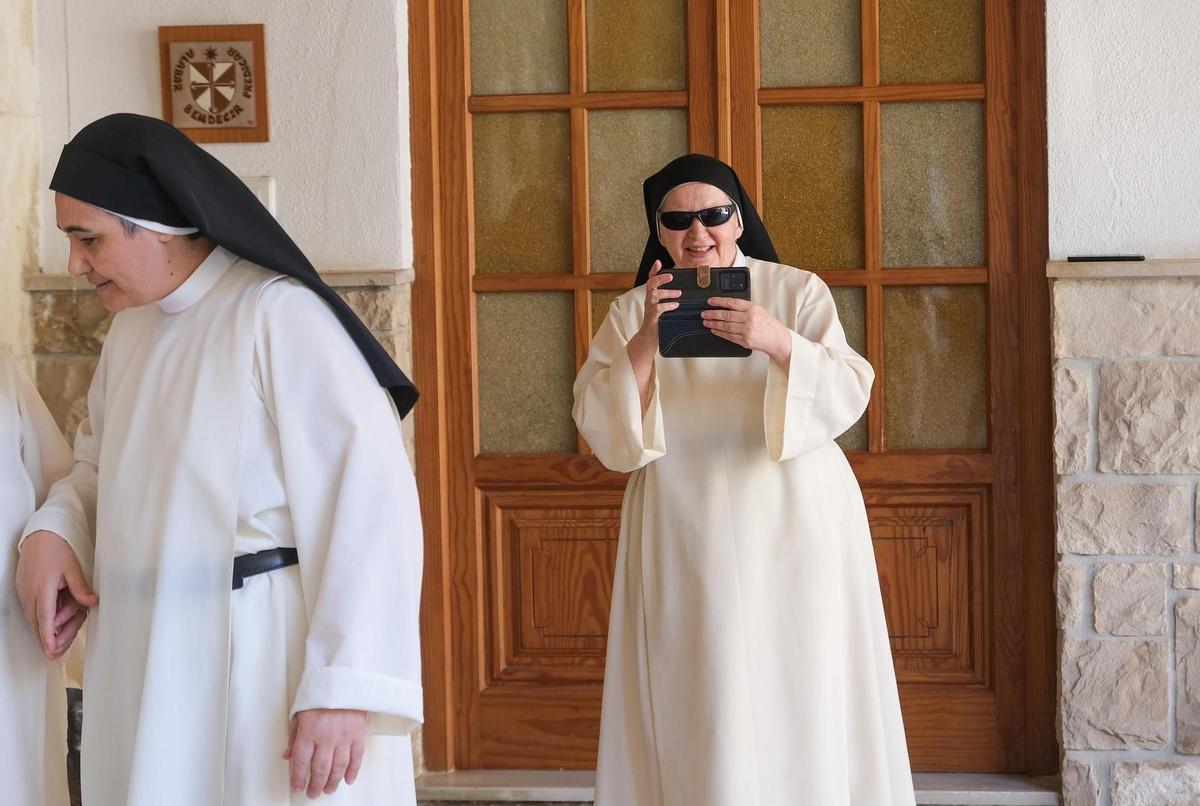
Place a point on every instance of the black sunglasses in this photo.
(709, 217)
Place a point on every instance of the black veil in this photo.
(755, 242)
(145, 168)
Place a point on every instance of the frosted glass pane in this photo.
(806, 43)
(601, 300)
(526, 369)
(933, 184)
(813, 184)
(518, 46)
(852, 310)
(930, 41)
(522, 192)
(624, 147)
(935, 367)
(636, 46)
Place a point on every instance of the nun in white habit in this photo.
(33, 699)
(748, 658)
(239, 409)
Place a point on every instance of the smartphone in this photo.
(681, 332)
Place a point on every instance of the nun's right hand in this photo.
(644, 345)
(658, 302)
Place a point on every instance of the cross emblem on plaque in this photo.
(212, 83)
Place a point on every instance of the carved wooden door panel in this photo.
(879, 139)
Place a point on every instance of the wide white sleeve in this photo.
(353, 502)
(44, 453)
(608, 406)
(826, 386)
(69, 509)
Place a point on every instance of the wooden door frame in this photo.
(442, 338)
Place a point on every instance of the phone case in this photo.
(681, 332)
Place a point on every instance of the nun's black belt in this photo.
(261, 562)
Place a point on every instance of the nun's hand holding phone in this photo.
(748, 324)
(644, 344)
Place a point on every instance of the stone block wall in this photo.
(1127, 455)
(69, 325)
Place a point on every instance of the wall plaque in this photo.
(214, 81)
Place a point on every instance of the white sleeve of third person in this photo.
(44, 453)
(69, 508)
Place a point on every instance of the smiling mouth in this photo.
(99, 286)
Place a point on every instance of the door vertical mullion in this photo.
(577, 47)
(873, 223)
(873, 259)
(701, 73)
(581, 247)
(869, 24)
(744, 113)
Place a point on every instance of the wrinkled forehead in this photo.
(694, 196)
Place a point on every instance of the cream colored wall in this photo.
(338, 85)
(19, 147)
(1123, 112)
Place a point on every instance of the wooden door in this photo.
(884, 141)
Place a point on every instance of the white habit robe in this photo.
(236, 415)
(748, 658)
(33, 697)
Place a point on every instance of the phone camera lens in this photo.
(734, 281)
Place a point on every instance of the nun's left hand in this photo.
(745, 323)
(325, 747)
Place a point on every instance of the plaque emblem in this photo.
(214, 81)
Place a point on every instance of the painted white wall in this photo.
(19, 127)
(1123, 112)
(338, 87)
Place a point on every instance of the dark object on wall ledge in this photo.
(214, 82)
(1103, 258)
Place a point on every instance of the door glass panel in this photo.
(811, 43)
(935, 360)
(636, 46)
(852, 308)
(813, 184)
(624, 147)
(933, 184)
(930, 41)
(526, 369)
(518, 46)
(522, 192)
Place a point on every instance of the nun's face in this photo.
(126, 270)
(699, 245)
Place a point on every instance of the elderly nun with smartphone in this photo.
(748, 658)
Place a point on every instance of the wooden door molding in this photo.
(477, 510)
(1035, 433)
